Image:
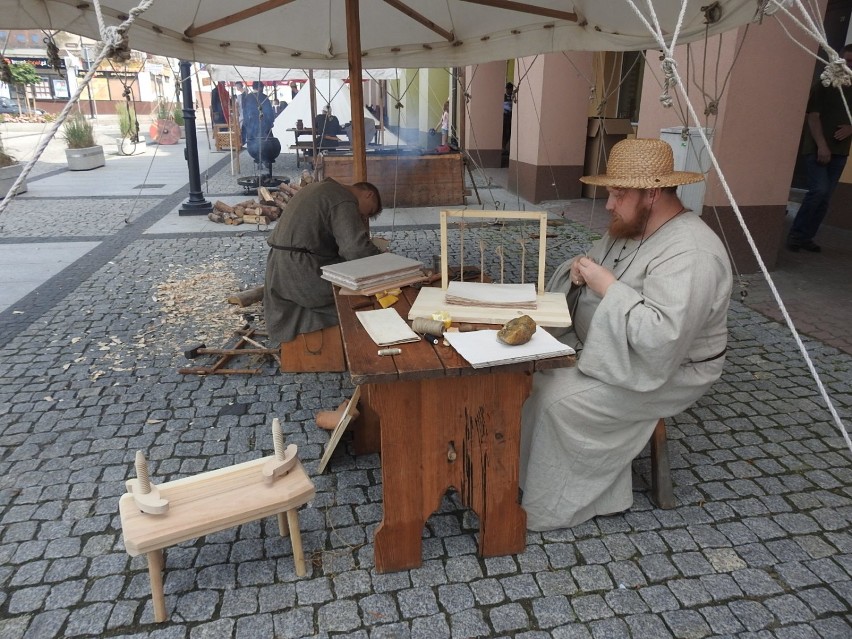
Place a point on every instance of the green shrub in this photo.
(177, 113)
(78, 132)
(162, 111)
(126, 118)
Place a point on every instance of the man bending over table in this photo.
(650, 305)
(324, 223)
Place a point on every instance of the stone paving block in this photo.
(508, 617)
(294, 623)
(488, 591)
(520, 587)
(427, 627)
(88, 620)
(572, 631)
(590, 607)
(469, 623)
(751, 614)
(659, 598)
(417, 602)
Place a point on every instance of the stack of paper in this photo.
(482, 348)
(386, 327)
(492, 295)
(369, 273)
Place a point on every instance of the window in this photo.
(632, 68)
(22, 38)
(42, 90)
(3, 36)
(35, 38)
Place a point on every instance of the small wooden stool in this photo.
(210, 502)
(661, 475)
(317, 352)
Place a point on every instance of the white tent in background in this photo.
(328, 91)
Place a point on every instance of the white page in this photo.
(493, 293)
(482, 348)
(385, 326)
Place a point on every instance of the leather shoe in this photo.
(810, 245)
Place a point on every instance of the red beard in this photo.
(619, 229)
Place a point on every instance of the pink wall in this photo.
(486, 83)
(551, 114)
(760, 114)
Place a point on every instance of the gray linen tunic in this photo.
(642, 349)
(322, 218)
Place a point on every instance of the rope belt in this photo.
(294, 249)
(710, 359)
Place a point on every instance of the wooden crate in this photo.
(414, 180)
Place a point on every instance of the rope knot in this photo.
(712, 108)
(836, 74)
(116, 43)
(668, 66)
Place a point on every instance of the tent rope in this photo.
(103, 54)
(658, 35)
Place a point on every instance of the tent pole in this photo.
(356, 91)
(312, 87)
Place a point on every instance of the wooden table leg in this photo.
(478, 417)
(366, 435)
(155, 575)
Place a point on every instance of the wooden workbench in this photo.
(438, 423)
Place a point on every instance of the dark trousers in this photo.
(822, 180)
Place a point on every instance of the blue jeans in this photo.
(822, 180)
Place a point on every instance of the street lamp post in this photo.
(196, 204)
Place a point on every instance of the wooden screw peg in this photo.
(285, 458)
(145, 494)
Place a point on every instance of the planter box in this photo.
(8, 175)
(85, 159)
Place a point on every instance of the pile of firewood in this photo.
(266, 208)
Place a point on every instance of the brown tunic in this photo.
(323, 220)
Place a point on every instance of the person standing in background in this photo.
(444, 124)
(825, 146)
(239, 100)
(508, 99)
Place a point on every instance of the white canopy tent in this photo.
(393, 33)
(356, 34)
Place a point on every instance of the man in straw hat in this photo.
(650, 304)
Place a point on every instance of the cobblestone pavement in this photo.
(759, 545)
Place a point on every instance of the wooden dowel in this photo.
(296, 541)
(155, 576)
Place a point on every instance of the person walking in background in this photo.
(825, 146)
(444, 124)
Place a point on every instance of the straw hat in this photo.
(641, 164)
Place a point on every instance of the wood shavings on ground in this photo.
(191, 307)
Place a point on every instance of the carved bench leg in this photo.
(661, 475)
(296, 542)
(155, 575)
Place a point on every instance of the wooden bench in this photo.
(317, 352)
(210, 502)
(662, 494)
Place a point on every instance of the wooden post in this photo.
(356, 91)
(313, 88)
(461, 109)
